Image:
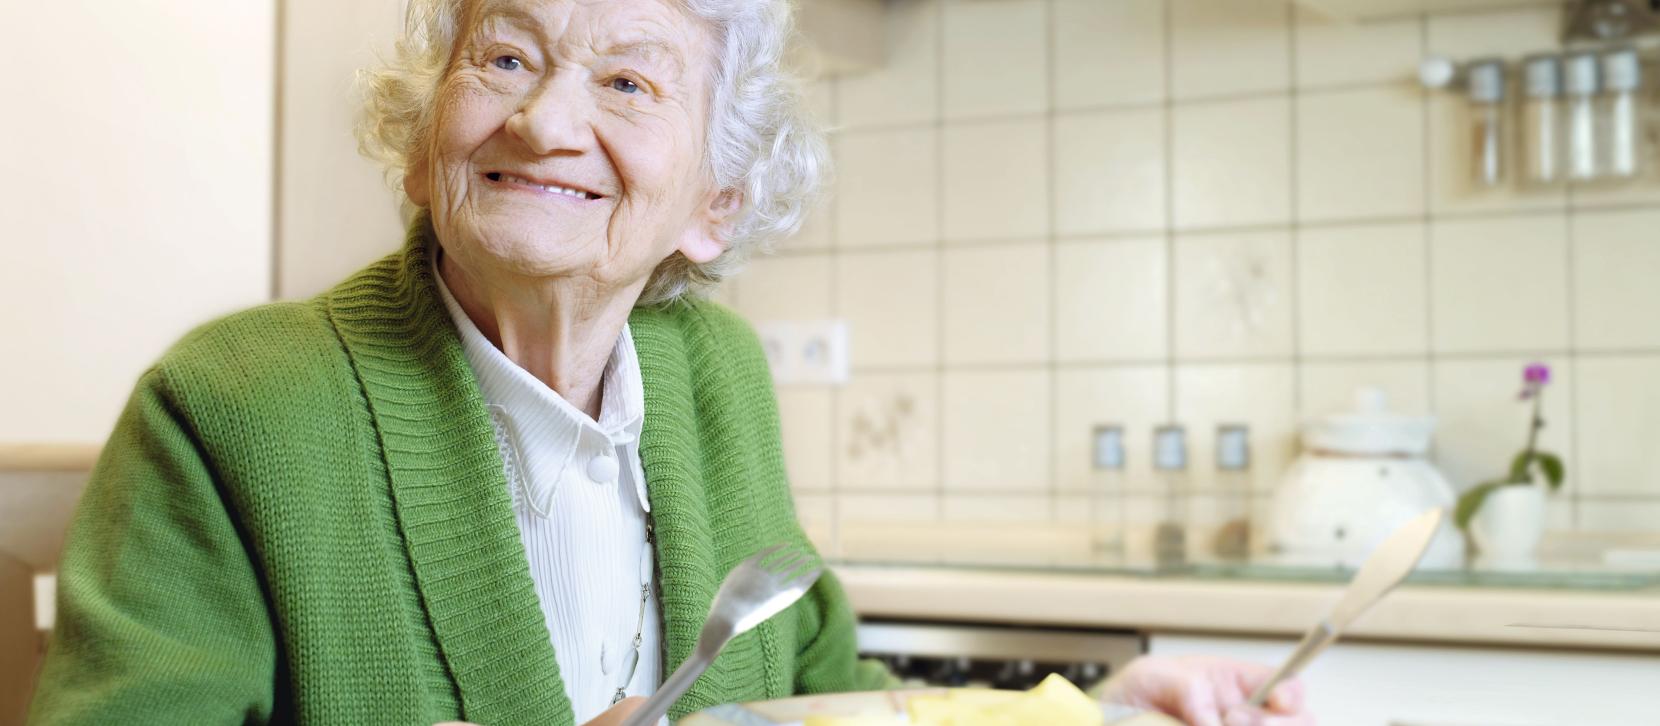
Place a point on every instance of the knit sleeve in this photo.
(829, 661)
(160, 616)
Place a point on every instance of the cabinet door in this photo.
(136, 196)
(1363, 684)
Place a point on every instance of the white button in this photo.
(602, 469)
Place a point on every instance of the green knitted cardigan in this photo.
(302, 516)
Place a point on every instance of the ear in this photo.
(416, 184)
(705, 237)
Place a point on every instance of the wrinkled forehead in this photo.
(662, 32)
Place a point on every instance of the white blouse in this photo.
(579, 496)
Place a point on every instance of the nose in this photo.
(554, 118)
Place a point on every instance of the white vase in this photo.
(1508, 526)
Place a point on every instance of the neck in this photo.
(560, 330)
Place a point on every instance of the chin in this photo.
(533, 250)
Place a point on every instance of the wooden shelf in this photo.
(48, 457)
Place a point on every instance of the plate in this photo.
(876, 704)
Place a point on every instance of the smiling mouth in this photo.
(504, 178)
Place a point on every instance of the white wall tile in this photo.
(905, 87)
(1109, 171)
(815, 508)
(1108, 52)
(1359, 153)
(1223, 47)
(1111, 300)
(997, 431)
(820, 97)
(995, 57)
(1617, 279)
(1328, 388)
(1259, 396)
(891, 302)
(815, 233)
(1636, 516)
(789, 287)
(1232, 163)
(1510, 33)
(1618, 417)
(888, 187)
(997, 304)
(1233, 295)
(996, 509)
(817, 515)
(996, 180)
(1499, 284)
(888, 432)
(1134, 397)
(1482, 423)
(888, 507)
(805, 420)
(1341, 52)
(1362, 290)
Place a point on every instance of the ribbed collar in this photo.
(528, 404)
(450, 493)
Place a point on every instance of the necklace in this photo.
(633, 654)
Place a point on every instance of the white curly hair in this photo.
(761, 140)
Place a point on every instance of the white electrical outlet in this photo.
(805, 351)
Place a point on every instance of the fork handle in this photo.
(676, 686)
(1316, 640)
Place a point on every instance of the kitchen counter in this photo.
(1568, 600)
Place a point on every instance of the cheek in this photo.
(465, 119)
(659, 160)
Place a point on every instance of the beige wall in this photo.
(1057, 213)
(337, 212)
(137, 198)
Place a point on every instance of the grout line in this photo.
(939, 260)
(837, 392)
(1312, 359)
(1427, 236)
(1138, 235)
(1169, 104)
(1293, 291)
(1053, 300)
(1574, 463)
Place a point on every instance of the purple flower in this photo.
(1537, 374)
(1534, 378)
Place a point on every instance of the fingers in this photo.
(1287, 697)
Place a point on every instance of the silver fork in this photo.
(757, 589)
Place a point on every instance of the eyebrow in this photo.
(651, 49)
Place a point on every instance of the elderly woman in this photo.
(499, 475)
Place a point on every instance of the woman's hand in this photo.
(1206, 691)
(613, 716)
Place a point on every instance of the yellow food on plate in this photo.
(1054, 702)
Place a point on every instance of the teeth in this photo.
(545, 187)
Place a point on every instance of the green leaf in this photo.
(1470, 502)
(1552, 467)
(1519, 465)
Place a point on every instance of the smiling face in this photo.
(568, 141)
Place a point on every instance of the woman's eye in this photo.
(624, 85)
(507, 63)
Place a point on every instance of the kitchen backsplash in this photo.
(1053, 214)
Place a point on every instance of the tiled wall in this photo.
(1057, 213)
